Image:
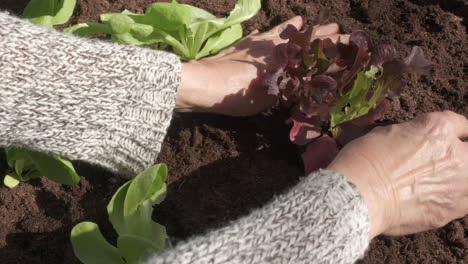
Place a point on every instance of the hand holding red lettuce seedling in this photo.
(335, 91)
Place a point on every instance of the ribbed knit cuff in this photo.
(134, 141)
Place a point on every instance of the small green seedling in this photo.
(48, 13)
(27, 165)
(130, 212)
(193, 33)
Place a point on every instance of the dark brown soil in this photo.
(223, 167)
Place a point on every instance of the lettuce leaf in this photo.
(130, 212)
(48, 13)
(27, 165)
(192, 33)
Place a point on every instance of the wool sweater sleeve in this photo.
(322, 220)
(85, 99)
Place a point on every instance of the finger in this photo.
(464, 156)
(255, 32)
(329, 29)
(458, 122)
(342, 38)
(296, 21)
(232, 48)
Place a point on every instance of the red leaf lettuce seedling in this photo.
(130, 212)
(335, 92)
(193, 33)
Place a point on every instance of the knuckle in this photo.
(378, 130)
(436, 123)
(441, 127)
(452, 153)
(452, 117)
(448, 113)
(437, 219)
(383, 129)
(425, 119)
(456, 158)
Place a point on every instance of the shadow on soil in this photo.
(222, 191)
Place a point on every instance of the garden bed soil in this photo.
(222, 167)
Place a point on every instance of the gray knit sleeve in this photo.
(323, 219)
(84, 99)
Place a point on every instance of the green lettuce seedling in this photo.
(193, 33)
(130, 212)
(48, 13)
(27, 165)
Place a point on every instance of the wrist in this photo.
(374, 193)
(202, 87)
(191, 95)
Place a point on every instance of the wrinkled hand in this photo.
(229, 83)
(413, 176)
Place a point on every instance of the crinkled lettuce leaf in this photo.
(130, 212)
(49, 12)
(192, 33)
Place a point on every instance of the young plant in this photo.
(193, 33)
(49, 13)
(130, 212)
(27, 165)
(335, 92)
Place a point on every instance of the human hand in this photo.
(230, 82)
(412, 176)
